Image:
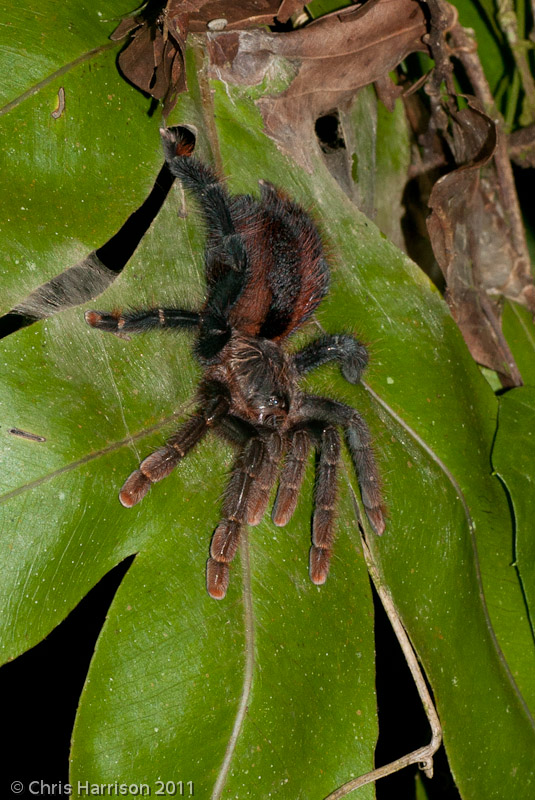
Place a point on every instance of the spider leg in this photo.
(358, 440)
(200, 179)
(161, 463)
(142, 320)
(239, 432)
(291, 477)
(325, 493)
(324, 505)
(264, 479)
(226, 257)
(246, 498)
(351, 354)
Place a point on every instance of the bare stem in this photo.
(424, 755)
(519, 47)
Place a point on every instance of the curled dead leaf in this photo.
(467, 233)
(153, 59)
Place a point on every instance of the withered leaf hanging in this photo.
(153, 59)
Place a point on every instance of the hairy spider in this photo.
(266, 274)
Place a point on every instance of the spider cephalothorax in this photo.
(266, 274)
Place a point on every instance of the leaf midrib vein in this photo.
(126, 441)
(53, 75)
(249, 665)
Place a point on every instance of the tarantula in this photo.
(266, 274)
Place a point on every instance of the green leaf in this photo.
(513, 458)
(97, 403)
(93, 393)
(40, 40)
(176, 676)
(68, 183)
(518, 329)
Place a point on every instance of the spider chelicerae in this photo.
(266, 273)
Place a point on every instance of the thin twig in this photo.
(521, 146)
(508, 22)
(424, 755)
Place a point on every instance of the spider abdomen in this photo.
(287, 274)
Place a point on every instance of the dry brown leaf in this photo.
(472, 226)
(333, 58)
(153, 59)
(246, 14)
(288, 8)
(470, 241)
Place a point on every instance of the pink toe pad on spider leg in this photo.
(93, 318)
(135, 488)
(217, 578)
(284, 506)
(319, 564)
(377, 520)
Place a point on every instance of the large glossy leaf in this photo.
(270, 692)
(173, 667)
(42, 39)
(431, 394)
